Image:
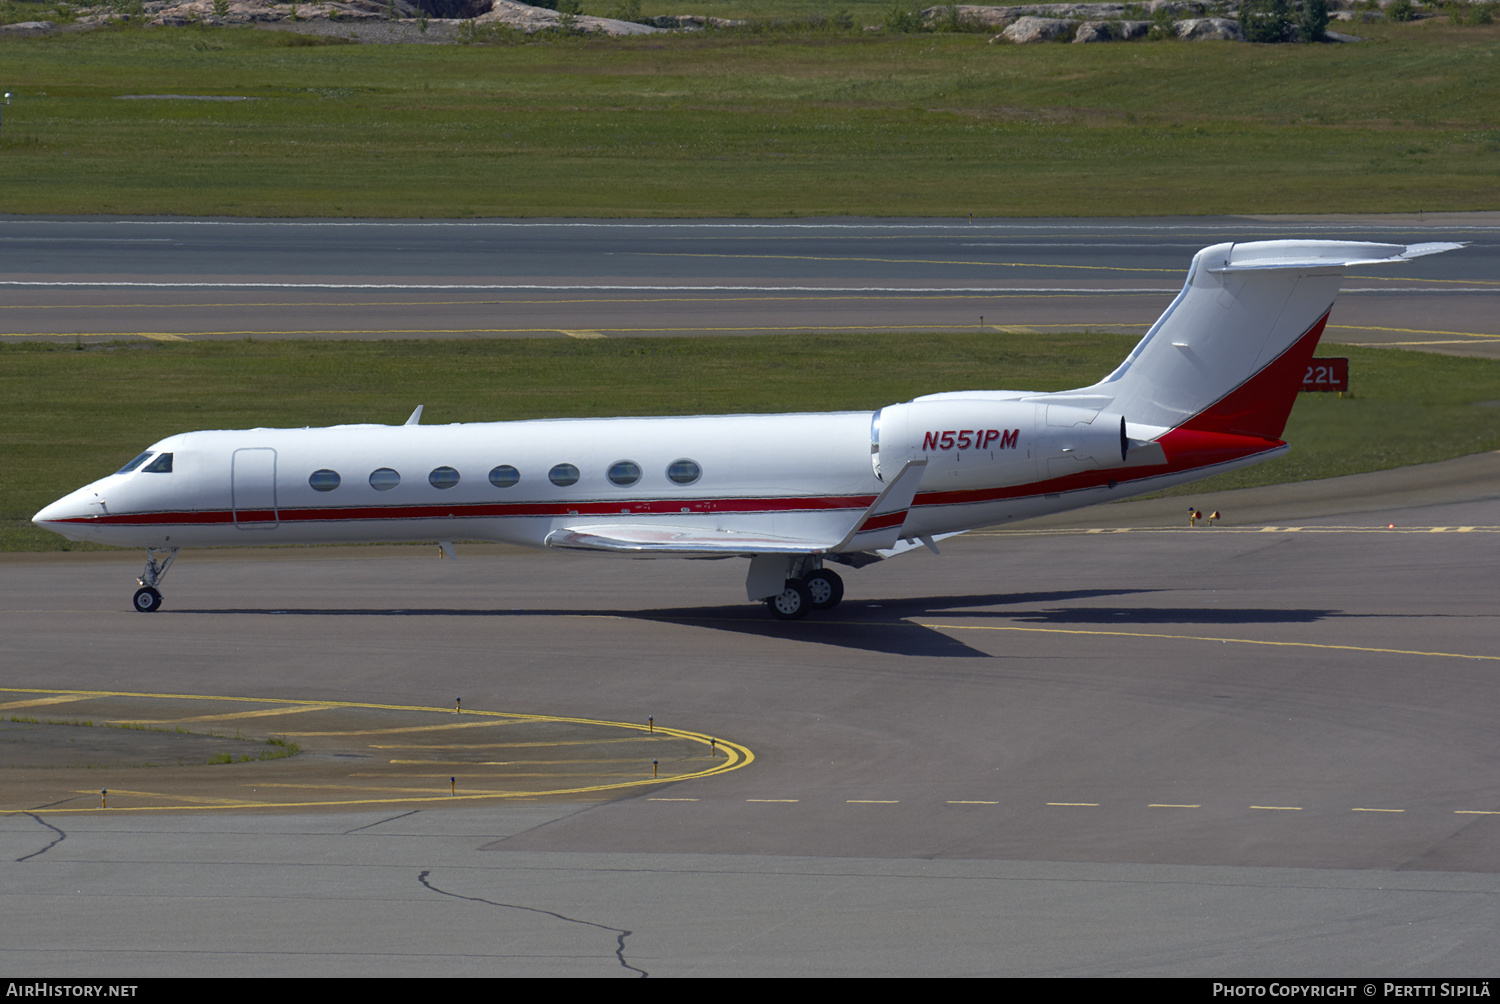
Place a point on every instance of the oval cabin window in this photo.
(624, 472)
(384, 479)
(684, 472)
(324, 480)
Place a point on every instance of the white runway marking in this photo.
(1229, 227)
(576, 287)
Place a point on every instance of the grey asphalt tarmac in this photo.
(164, 278)
(1114, 747)
(1105, 744)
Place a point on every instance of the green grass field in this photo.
(725, 124)
(68, 417)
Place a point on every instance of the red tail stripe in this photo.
(1259, 407)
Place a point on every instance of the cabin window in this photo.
(442, 477)
(684, 472)
(161, 465)
(138, 461)
(384, 479)
(504, 476)
(324, 480)
(563, 475)
(624, 472)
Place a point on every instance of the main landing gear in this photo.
(148, 597)
(818, 590)
(826, 589)
(792, 585)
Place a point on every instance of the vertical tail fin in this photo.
(1228, 355)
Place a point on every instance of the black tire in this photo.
(826, 589)
(792, 603)
(147, 600)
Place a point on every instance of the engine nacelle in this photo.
(981, 442)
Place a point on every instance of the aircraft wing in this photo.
(879, 526)
(654, 538)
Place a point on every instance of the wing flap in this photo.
(682, 541)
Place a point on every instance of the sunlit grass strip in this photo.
(721, 125)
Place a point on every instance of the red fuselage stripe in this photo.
(883, 522)
(489, 510)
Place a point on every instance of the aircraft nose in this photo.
(67, 509)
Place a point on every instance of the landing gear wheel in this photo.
(826, 589)
(792, 603)
(147, 600)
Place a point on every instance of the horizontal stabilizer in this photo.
(1301, 255)
(1322, 254)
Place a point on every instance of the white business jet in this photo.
(1207, 390)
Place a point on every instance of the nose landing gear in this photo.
(148, 598)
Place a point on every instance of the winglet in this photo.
(416, 417)
(880, 526)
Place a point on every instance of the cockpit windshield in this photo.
(138, 461)
(161, 465)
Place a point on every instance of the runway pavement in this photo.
(163, 278)
(1266, 748)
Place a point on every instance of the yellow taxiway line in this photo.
(735, 755)
(1206, 638)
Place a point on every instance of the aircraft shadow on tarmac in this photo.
(888, 626)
